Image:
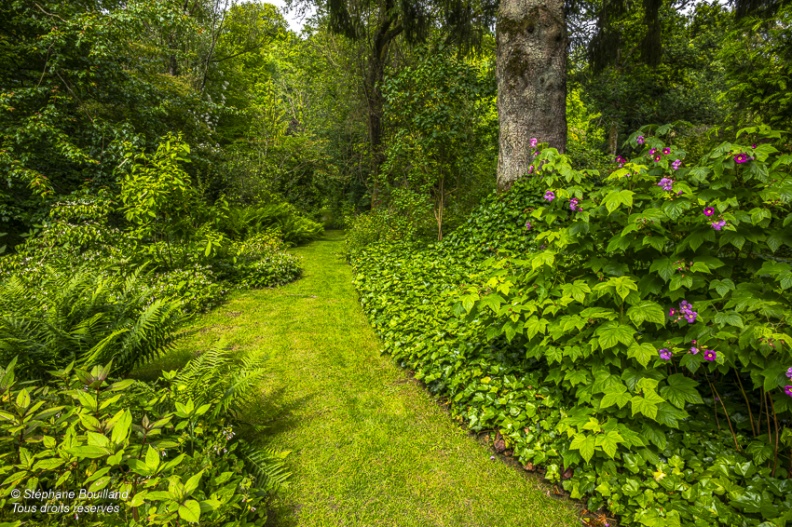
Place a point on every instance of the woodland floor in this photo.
(369, 447)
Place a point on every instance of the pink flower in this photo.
(671, 312)
(694, 350)
(657, 158)
(718, 225)
(528, 226)
(652, 151)
(640, 140)
(666, 184)
(709, 211)
(664, 353)
(741, 158)
(534, 142)
(676, 164)
(666, 150)
(710, 355)
(549, 195)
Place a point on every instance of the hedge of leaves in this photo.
(627, 333)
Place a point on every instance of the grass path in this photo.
(369, 447)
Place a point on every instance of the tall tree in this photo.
(531, 73)
(379, 23)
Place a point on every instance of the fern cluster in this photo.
(230, 384)
(87, 317)
(280, 218)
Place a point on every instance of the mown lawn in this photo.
(369, 446)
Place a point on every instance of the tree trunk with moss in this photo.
(531, 74)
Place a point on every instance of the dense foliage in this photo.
(627, 332)
(146, 454)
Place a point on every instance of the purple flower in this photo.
(694, 350)
(528, 226)
(685, 305)
(652, 151)
(690, 316)
(640, 140)
(753, 145)
(657, 158)
(789, 373)
(664, 353)
(549, 195)
(676, 164)
(530, 169)
(573, 204)
(620, 160)
(666, 150)
(788, 390)
(666, 183)
(710, 355)
(671, 312)
(718, 225)
(740, 159)
(709, 211)
(534, 142)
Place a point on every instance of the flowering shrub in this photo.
(638, 349)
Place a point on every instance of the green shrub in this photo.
(550, 323)
(189, 258)
(197, 287)
(382, 225)
(168, 448)
(260, 261)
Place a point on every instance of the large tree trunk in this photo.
(531, 74)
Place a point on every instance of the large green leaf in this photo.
(646, 311)
(617, 198)
(190, 511)
(609, 442)
(646, 405)
(613, 333)
(585, 444)
(681, 390)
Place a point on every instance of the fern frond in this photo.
(267, 465)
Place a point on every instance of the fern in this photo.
(218, 376)
(267, 465)
(229, 384)
(85, 317)
(280, 218)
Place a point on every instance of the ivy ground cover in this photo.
(626, 334)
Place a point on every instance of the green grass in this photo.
(369, 446)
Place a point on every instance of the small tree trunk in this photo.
(531, 75)
(439, 206)
(613, 138)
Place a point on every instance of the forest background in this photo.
(159, 154)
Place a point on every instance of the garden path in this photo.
(369, 446)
